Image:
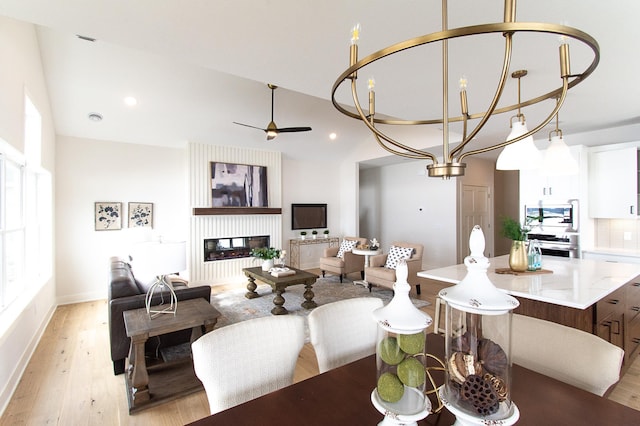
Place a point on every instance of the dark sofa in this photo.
(125, 293)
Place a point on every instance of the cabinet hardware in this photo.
(636, 284)
(636, 340)
(613, 301)
(635, 308)
(631, 209)
(616, 330)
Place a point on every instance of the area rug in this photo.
(234, 307)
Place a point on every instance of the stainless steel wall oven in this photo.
(555, 226)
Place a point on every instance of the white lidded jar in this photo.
(477, 388)
(401, 357)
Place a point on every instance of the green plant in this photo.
(326, 231)
(265, 253)
(303, 233)
(314, 232)
(511, 229)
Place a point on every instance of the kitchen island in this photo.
(598, 297)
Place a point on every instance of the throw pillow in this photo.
(346, 245)
(395, 254)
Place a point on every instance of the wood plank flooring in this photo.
(70, 381)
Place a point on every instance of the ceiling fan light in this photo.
(521, 155)
(558, 159)
(271, 134)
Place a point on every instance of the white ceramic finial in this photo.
(476, 242)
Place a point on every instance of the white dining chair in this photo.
(343, 331)
(248, 359)
(567, 354)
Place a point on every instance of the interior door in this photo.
(475, 209)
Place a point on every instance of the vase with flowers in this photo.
(517, 233)
(267, 255)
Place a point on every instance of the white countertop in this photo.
(576, 283)
(613, 252)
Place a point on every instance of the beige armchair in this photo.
(347, 264)
(377, 274)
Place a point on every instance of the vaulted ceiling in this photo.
(196, 66)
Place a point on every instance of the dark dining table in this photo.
(343, 396)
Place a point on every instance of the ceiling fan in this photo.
(272, 130)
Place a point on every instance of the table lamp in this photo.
(477, 388)
(401, 357)
(160, 259)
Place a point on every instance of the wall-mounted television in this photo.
(308, 216)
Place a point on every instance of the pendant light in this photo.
(558, 160)
(521, 155)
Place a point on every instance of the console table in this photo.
(148, 386)
(294, 247)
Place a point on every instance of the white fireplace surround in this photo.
(219, 226)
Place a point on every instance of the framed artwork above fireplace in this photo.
(238, 185)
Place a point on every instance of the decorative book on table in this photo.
(281, 272)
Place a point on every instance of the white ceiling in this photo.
(196, 66)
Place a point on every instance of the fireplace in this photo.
(232, 247)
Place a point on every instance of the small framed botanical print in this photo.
(108, 216)
(140, 215)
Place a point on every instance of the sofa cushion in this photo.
(122, 283)
(346, 245)
(332, 261)
(395, 254)
(381, 274)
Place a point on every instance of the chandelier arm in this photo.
(506, 63)
(416, 153)
(563, 94)
(420, 155)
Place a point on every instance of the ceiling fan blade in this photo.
(294, 129)
(248, 125)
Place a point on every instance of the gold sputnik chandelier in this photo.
(451, 163)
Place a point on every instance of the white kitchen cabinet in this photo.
(535, 187)
(613, 183)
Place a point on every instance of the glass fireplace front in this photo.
(232, 247)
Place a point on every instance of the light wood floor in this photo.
(70, 381)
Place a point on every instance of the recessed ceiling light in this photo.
(130, 101)
(94, 116)
(333, 136)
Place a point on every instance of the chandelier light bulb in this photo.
(463, 83)
(371, 83)
(355, 34)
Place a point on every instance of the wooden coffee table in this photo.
(147, 387)
(279, 284)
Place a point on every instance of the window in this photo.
(13, 229)
(25, 215)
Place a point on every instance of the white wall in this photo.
(405, 205)
(91, 171)
(23, 322)
(312, 182)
